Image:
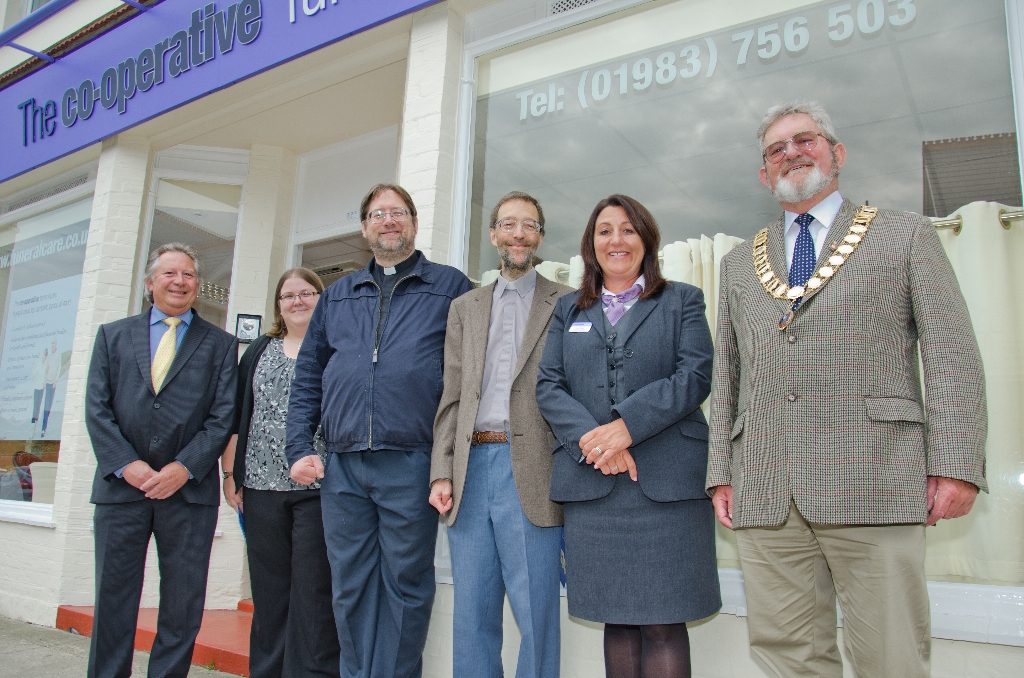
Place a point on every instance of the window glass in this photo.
(203, 215)
(40, 278)
(662, 103)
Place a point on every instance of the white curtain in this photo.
(693, 261)
(987, 546)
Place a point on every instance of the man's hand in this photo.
(166, 481)
(600, 444)
(233, 493)
(721, 499)
(441, 495)
(137, 473)
(949, 498)
(308, 470)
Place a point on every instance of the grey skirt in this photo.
(631, 560)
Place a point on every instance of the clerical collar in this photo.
(402, 268)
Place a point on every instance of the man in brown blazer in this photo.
(825, 455)
(491, 461)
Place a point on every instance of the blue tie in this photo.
(803, 253)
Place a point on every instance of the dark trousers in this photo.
(184, 535)
(381, 534)
(293, 632)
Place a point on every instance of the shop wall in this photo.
(718, 649)
(426, 163)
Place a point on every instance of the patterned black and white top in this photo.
(266, 466)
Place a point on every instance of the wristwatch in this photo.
(227, 474)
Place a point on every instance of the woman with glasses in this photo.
(626, 367)
(293, 631)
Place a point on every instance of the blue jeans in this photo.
(495, 549)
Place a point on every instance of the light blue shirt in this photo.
(510, 313)
(157, 328)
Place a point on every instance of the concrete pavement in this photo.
(30, 651)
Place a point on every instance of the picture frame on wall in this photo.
(247, 327)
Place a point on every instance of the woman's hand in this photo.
(232, 494)
(598, 443)
(619, 462)
(607, 448)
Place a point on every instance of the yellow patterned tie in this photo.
(164, 355)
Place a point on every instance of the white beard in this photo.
(796, 190)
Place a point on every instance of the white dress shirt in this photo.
(824, 214)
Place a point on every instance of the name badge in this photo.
(580, 326)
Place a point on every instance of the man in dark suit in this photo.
(825, 455)
(159, 408)
(492, 456)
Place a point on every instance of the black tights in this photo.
(648, 651)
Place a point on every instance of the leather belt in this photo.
(483, 437)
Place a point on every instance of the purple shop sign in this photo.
(167, 56)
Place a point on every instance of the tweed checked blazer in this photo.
(831, 413)
(465, 348)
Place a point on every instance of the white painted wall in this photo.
(718, 648)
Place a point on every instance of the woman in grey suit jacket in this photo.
(626, 366)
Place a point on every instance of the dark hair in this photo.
(364, 206)
(646, 227)
(517, 195)
(278, 329)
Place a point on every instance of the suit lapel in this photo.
(838, 230)
(595, 315)
(478, 323)
(544, 297)
(629, 323)
(197, 329)
(777, 249)
(140, 346)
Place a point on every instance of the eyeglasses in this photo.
(802, 142)
(305, 295)
(509, 224)
(380, 216)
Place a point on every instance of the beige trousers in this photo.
(792, 575)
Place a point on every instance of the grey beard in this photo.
(508, 264)
(789, 191)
